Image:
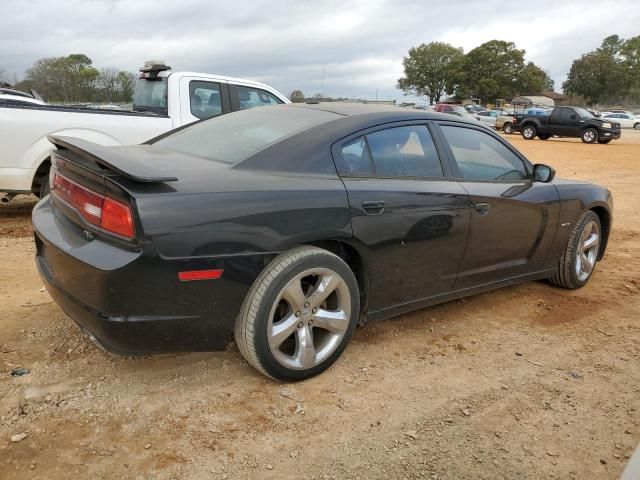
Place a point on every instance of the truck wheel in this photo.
(507, 128)
(604, 141)
(529, 132)
(299, 314)
(544, 137)
(581, 253)
(590, 135)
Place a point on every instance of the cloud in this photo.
(286, 44)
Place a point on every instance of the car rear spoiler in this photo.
(111, 159)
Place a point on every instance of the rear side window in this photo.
(236, 136)
(479, 156)
(404, 152)
(255, 97)
(354, 158)
(205, 99)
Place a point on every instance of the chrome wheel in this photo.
(309, 318)
(589, 136)
(528, 132)
(587, 251)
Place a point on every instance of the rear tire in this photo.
(590, 135)
(299, 314)
(529, 132)
(636, 126)
(507, 128)
(578, 261)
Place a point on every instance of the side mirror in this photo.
(543, 173)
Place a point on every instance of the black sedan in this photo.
(284, 227)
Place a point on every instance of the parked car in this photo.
(458, 111)
(488, 117)
(625, 120)
(474, 108)
(164, 99)
(504, 122)
(289, 225)
(538, 111)
(567, 122)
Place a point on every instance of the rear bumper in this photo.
(132, 302)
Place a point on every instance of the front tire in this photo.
(579, 258)
(544, 137)
(299, 314)
(604, 141)
(590, 135)
(529, 132)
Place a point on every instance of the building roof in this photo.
(554, 95)
(535, 100)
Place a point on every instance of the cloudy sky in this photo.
(286, 43)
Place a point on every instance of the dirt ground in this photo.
(526, 382)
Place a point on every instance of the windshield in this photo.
(236, 136)
(582, 113)
(151, 96)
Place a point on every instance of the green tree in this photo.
(534, 80)
(428, 70)
(296, 96)
(497, 69)
(602, 74)
(126, 85)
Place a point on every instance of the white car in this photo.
(624, 119)
(164, 99)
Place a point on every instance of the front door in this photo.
(411, 220)
(513, 219)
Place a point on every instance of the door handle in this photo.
(483, 208)
(373, 207)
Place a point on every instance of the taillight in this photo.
(104, 212)
(116, 218)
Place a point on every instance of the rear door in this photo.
(409, 215)
(244, 97)
(513, 219)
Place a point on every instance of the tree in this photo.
(497, 69)
(126, 83)
(108, 83)
(428, 70)
(601, 74)
(296, 96)
(534, 80)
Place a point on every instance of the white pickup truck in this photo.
(163, 100)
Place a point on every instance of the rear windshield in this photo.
(234, 137)
(151, 96)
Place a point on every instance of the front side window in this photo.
(254, 97)
(404, 151)
(479, 156)
(205, 99)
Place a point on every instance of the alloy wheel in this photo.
(589, 136)
(587, 251)
(309, 318)
(528, 132)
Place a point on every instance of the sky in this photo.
(359, 44)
